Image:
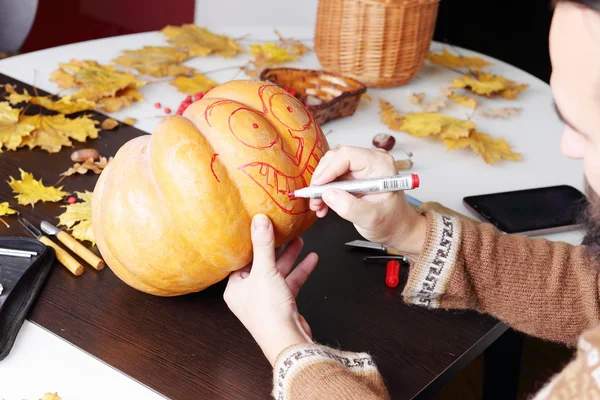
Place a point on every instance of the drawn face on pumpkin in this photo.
(273, 126)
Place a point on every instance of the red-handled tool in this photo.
(392, 273)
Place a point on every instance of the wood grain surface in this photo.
(193, 347)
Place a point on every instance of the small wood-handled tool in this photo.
(374, 246)
(73, 245)
(61, 254)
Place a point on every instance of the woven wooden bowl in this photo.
(382, 43)
(340, 95)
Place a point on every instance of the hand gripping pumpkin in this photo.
(172, 211)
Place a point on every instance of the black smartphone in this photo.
(532, 211)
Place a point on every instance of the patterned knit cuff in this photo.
(302, 356)
(429, 275)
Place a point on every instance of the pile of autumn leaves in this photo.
(106, 88)
(453, 132)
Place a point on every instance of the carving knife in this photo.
(373, 246)
(73, 245)
(61, 254)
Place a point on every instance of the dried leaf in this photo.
(504, 113)
(448, 59)
(129, 121)
(54, 131)
(438, 102)
(30, 191)
(467, 101)
(487, 84)
(109, 124)
(97, 81)
(123, 98)
(455, 133)
(6, 210)
(193, 85)
(294, 46)
(78, 217)
(267, 55)
(415, 98)
(273, 53)
(201, 41)
(492, 150)
(64, 105)
(423, 124)
(366, 96)
(12, 131)
(51, 396)
(88, 165)
(156, 60)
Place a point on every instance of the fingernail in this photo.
(260, 223)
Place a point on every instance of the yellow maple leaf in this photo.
(415, 98)
(30, 191)
(512, 92)
(421, 124)
(6, 210)
(272, 52)
(12, 131)
(487, 84)
(64, 105)
(492, 150)
(448, 59)
(156, 60)
(267, 55)
(78, 217)
(51, 396)
(123, 98)
(54, 131)
(109, 124)
(96, 80)
(201, 41)
(193, 85)
(467, 101)
(63, 79)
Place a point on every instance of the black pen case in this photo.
(22, 280)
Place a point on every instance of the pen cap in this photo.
(392, 273)
(415, 181)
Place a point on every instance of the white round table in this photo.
(41, 362)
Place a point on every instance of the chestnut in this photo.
(384, 141)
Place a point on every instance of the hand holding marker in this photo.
(364, 186)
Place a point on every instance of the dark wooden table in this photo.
(193, 347)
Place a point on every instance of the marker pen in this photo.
(361, 186)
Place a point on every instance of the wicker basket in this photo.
(340, 96)
(382, 43)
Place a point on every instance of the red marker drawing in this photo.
(361, 186)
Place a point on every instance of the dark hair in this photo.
(593, 4)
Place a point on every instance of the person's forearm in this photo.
(543, 288)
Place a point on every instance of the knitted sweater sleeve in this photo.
(311, 372)
(543, 288)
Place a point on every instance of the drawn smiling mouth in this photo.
(277, 184)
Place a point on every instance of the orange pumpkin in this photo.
(171, 213)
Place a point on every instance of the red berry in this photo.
(157, 105)
(186, 103)
(198, 96)
(179, 112)
(167, 110)
(71, 200)
(188, 98)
